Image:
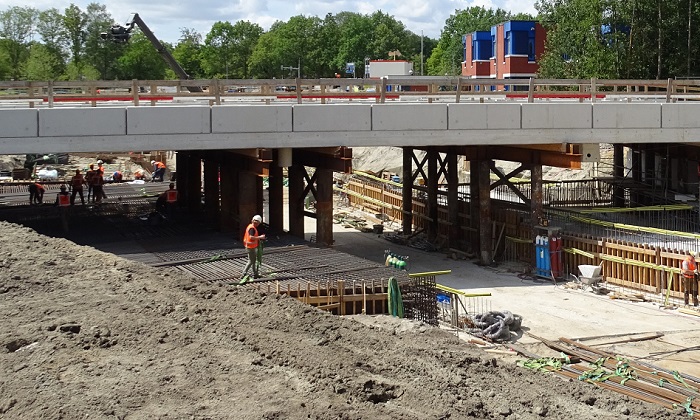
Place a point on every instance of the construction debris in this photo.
(669, 389)
(632, 297)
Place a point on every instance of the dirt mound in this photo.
(89, 335)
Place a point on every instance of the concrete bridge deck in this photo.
(72, 117)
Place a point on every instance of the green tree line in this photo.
(586, 38)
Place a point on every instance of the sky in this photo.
(167, 17)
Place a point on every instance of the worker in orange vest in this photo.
(36, 193)
(158, 171)
(76, 184)
(63, 197)
(251, 240)
(166, 201)
(689, 270)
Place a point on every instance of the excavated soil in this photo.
(86, 334)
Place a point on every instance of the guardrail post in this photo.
(217, 91)
(669, 88)
(135, 91)
(382, 91)
(531, 91)
(459, 89)
(49, 93)
(298, 83)
(594, 89)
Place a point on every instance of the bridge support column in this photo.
(193, 184)
(407, 191)
(635, 196)
(649, 156)
(536, 207)
(248, 199)
(474, 222)
(229, 199)
(181, 177)
(324, 206)
(296, 200)
(485, 240)
(275, 198)
(432, 205)
(211, 191)
(619, 175)
(453, 200)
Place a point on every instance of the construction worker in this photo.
(689, 270)
(158, 171)
(117, 176)
(36, 193)
(251, 240)
(98, 187)
(100, 173)
(90, 180)
(165, 204)
(76, 184)
(63, 198)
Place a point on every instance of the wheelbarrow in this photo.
(590, 276)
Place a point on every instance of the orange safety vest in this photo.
(247, 240)
(77, 181)
(171, 196)
(691, 267)
(63, 200)
(159, 165)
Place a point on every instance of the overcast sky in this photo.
(167, 17)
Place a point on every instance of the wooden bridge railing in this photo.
(323, 90)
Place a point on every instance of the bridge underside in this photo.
(233, 188)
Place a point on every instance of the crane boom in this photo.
(121, 34)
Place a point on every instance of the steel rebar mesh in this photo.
(420, 299)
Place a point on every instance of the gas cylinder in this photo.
(401, 264)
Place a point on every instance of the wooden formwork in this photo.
(637, 266)
(338, 297)
(627, 264)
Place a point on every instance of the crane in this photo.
(121, 34)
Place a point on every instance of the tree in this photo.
(217, 53)
(353, 42)
(44, 63)
(16, 26)
(140, 61)
(290, 44)
(50, 26)
(75, 22)
(4, 62)
(450, 47)
(100, 54)
(187, 52)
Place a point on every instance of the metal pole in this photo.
(421, 52)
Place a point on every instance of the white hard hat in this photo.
(257, 218)
(692, 253)
(153, 161)
(99, 162)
